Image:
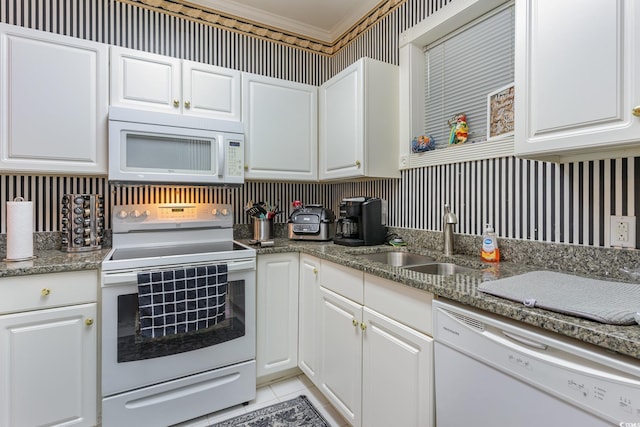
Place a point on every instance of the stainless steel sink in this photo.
(440, 268)
(397, 258)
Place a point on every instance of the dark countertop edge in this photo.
(622, 340)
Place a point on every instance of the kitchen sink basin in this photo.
(440, 268)
(397, 258)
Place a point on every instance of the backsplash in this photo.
(523, 199)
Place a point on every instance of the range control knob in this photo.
(137, 214)
(122, 214)
(223, 211)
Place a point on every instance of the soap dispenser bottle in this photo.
(490, 251)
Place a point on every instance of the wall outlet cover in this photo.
(623, 231)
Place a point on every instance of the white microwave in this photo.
(147, 147)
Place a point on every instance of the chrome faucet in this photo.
(448, 221)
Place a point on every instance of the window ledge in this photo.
(460, 153)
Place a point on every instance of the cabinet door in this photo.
(280, 119)
(309, 305)
(210, 91)
(397, 374)
(53, 102)
(145, 80)
(341, 354)
(48, 367)
(342, 124)
(577, 79)
(277, 313)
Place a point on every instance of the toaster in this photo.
(311, 222)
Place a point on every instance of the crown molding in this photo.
(230, 22)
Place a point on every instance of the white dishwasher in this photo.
(495, 372)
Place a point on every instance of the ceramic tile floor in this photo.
(268, 395)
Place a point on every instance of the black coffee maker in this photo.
(361, 223)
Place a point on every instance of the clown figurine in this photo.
(459, 129)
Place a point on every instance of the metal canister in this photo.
(262, 229)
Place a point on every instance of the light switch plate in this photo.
(623, 231)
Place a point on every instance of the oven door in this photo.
(130, 361)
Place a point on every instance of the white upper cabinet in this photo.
(161, 83)
(577, 81)
(359, 122)
(53, 102)
(281, 129)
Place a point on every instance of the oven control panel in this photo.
(128, 218)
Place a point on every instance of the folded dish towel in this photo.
(181, 300)
(614, 303)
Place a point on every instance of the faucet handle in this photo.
(449, 217)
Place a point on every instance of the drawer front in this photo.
(405, 304)
(38, 291)
(342, 280)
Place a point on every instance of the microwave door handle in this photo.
(220, 156)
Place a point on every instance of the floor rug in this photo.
(296, 412)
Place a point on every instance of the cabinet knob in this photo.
(357, 163)
(354, 322)
(187, 104)
(45, 291)
(88, 321)
(176, 103)
(363, 326)
(246, 167)
(636, 111)
(315, 271)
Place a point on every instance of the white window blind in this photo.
(463, 68)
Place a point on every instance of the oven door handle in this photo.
(132, 276)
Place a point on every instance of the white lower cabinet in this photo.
(308, 317)
(341, 354)
(375, 357)
(48, 350)
(277, 314)
(397, 374)
(363, 341)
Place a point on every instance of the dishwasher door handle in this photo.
(524, 341)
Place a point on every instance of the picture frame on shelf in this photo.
(500, 112)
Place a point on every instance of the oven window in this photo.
(131, 345)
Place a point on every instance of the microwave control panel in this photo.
(235, 158)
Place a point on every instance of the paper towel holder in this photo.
(29, 258)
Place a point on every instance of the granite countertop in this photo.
(53, 261)
(463, 288)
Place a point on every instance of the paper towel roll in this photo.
(19, 230)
